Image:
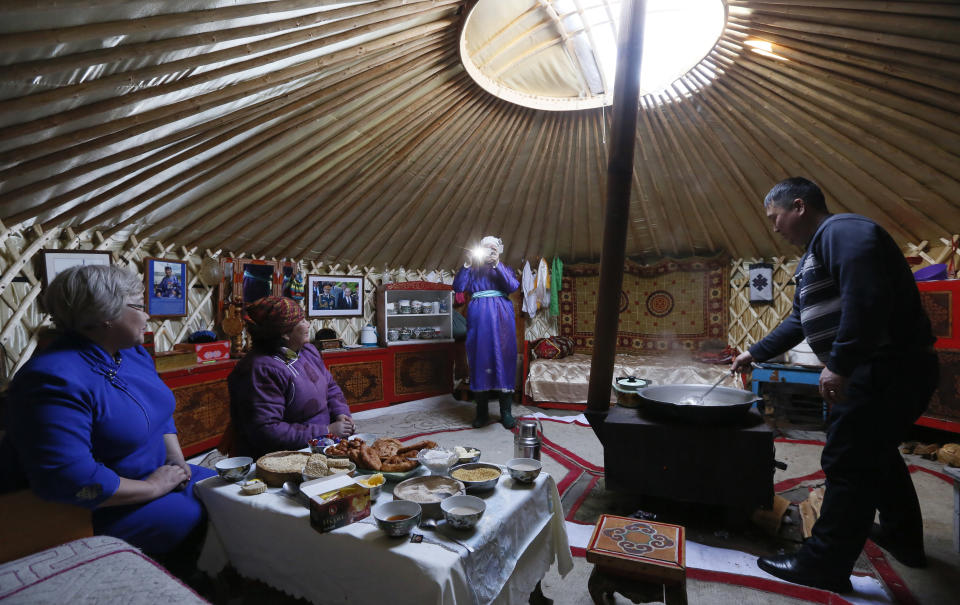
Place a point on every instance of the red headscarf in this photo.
(273, 314)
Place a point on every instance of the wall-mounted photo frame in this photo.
(165, 281)
(55, 261)
(334, 296)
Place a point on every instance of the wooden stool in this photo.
(642, 560)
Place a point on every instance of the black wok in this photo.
(682, 402)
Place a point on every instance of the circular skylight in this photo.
(561, 54)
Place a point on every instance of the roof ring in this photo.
(561, 54)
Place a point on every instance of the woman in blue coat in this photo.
(491, 329)
(91, 424)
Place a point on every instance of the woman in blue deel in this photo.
(491, 329)
(91, 424)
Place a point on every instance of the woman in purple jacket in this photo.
(281, 393)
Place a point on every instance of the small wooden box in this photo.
(174, 360)
(637, 549)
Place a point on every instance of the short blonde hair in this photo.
(82, 296)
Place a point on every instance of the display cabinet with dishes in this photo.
(414, 313)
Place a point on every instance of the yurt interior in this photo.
(480, 301)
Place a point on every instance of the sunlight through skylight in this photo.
(561, 54)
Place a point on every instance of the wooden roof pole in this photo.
(623, 134)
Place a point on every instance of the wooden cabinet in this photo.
(392, 320)
(203, 404)
(372, 377)
(941, 300)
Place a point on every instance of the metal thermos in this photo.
(527, 442)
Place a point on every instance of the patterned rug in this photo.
(672, 305)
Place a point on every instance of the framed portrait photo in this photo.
(166, 287)
(55, 261)
(334, 296)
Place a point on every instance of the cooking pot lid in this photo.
(632, 383)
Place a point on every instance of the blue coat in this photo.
(79, 420)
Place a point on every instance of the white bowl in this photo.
(410, 511)
(524, 470)
(234, 469)
(463, 512)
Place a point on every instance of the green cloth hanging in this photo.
(556, 275)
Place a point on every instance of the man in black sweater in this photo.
(857, 304)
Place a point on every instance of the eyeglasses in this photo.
(137, 307)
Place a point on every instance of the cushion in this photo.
(553, 347)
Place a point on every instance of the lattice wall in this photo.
(21, 320)
(751, 322)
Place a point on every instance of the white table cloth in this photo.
(268, 537)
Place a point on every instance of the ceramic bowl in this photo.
(234, 469)
(477, 485)
(397, 518)
(463, 512)
(524, 470)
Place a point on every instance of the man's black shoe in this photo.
(911, 557)
(786, 567)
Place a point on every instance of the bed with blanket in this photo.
(672, 330)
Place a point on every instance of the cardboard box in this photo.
(174, 360)
(336, 501)
(206, 351)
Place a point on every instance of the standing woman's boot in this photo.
(506, 406)
(483, 409)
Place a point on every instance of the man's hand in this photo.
(742, 363)
(833, 387)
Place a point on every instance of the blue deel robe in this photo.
(491, 328)
(79, 420)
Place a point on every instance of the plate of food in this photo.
(339, 449)
(392, 457)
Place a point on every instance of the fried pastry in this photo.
(386, 447)
(418, 446)
(398, 464)
(366, 458)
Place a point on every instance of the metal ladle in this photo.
(700, 399)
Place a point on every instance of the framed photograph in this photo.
(55, 261)
(334, 296)
(166, 287)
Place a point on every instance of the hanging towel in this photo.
(556, 276)
(543, 285)
(528, 285)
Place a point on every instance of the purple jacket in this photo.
(278, 404)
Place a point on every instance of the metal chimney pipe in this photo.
(623, 134)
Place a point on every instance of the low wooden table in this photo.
(729, 465)
(645, 561)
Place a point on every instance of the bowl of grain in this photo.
(477, 476)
